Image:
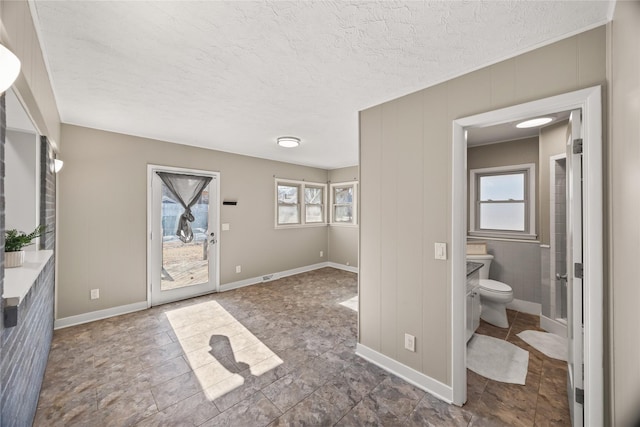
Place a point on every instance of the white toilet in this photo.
(494, 295)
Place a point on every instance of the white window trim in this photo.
(354, 223)
(530, 168)
(301, 203)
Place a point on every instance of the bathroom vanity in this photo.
(473, 298)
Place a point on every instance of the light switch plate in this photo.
(226, 227)
(440, 250)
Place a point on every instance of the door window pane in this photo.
(184, 264)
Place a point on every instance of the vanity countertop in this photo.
(472, 267)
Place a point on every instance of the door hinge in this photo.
(577, 146)
(577, 270)
(579, 396)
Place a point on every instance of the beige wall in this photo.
(343, 240)
(406, 181)
(18, 33)
(553, 141)
(506, 153)
(103, 219)
(624, 201)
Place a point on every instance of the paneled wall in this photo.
(624, 200)
(406, 181)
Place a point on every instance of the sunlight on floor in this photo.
(351, 303)
(217, 347)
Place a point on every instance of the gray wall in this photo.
(343, 240)
(405, 160)
(103, 216)
(517, 264)
(624, 204)
(553, 141)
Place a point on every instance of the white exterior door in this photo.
(178, 270)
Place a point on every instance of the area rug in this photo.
(552, 345)
(497, 360)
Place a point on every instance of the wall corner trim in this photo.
(92, 316)
(418, 379)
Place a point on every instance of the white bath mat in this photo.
(552, 345)
(497, 360)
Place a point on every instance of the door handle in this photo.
(213, 240)
(562, 277)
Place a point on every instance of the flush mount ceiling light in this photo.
(288, 141)
(534, 122)
(9, 68)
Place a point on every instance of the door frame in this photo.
(151, 168)
(589, 100)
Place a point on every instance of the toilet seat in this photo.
(495, 286)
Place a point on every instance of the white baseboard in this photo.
(553, 326)
(420, 380)
(65, 322)
(129, 308)
(271, 276)
(349, 268)
(525, 307)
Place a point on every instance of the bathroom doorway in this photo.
(589, 198)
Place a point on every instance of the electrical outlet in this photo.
(321, 254)
(238, 269)
(95, 293)
(409, 342)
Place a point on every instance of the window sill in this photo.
(339, 224)
(18, 281)
(504, 238)
(284, 227)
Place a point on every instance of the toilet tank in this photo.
(483, 259)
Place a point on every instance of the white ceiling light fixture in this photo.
(9, 68)
(534, 122)
(288, 141)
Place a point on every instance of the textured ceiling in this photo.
(233, 76)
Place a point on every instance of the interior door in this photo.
(574, 270)
(181, 270)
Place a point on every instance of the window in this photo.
(343, 203)
(502, 201)
(300, 203)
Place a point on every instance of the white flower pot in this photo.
(13, 259)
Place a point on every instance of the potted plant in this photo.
(14, 242)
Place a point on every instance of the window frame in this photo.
(354, 204)
(529, 171)
(301, 205)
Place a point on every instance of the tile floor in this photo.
(275, 354)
